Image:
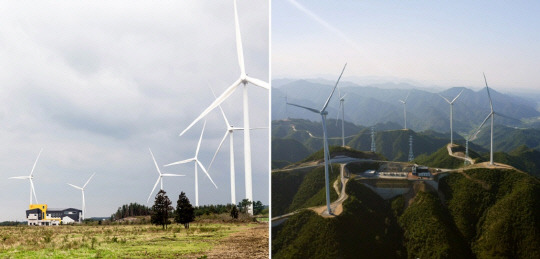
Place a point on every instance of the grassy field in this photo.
(131, 241)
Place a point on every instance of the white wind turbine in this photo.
(342, 111)
(30, 177)
(451, 115)
(228, 132)
(243, 80)
(323, 114)
(197, 164)
(491, 114)
(160, 177)
(404, 102)
(82, 190)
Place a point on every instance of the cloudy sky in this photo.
(97, 84)
(443, 43)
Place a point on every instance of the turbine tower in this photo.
(491, 114)
(160, 177)
(30, 177)
(373, 148)
(243, 80)
(342, 111)
(404, 102)
(197, 164)
(323, 114)
(82, 190)
(451, 115)
(411, 155)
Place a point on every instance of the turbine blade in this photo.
(219, 147)
(307, 108)
(216, 102)
(239, 49)
(443, 98)
(255, 128)
(181, 162)
(258, 82)
(155, 163)
(457, 96)
(153, 190)
(405, 101)
(200, 139)
(173, 175)
(221, 109)
(32, 172)
(88, 180)
(474, 135)
(19, 177)
(343, 97)
(506, 116)
(332, 93)
(489, 96)
(204, 170)
(75, 186)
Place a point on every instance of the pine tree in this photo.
(161, 209)
(234, 212)
(184, 211)
(244, 205)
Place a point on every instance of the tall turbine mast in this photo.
(491, 114)
(323, 114)
(451, 115)
(82, 190)
(342, 111)
(404, 102)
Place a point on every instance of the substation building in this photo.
(421, 171)
(40, 215)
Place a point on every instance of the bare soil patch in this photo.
(249, 243)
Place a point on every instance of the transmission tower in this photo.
(411, 155)
(373, 149)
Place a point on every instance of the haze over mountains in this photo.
(426, 110)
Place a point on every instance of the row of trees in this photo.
(186, 213)
(131, 210)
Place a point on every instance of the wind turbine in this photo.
(243, 80)
(160, 177)
(197, 163)
(82, 190)
(342, 110)
(404, 102)
(491, 114)
(323, 114)
(451, 115)
(30, 177)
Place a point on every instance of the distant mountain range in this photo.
(426, 110)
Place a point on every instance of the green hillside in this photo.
(488, 214)
(292, 190)
(522, 158)
(343, 151)
(441, 158)
(288, 150)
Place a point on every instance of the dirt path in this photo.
(462, 157)
(249, 243)
(337, 205)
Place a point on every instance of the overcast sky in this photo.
(97, 84)
(443, 43)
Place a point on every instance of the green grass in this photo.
(133, 241)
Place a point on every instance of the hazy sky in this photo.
(444, 43)
(96, 84)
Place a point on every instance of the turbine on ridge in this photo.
(451, 114)
(404, 102)
(323, 114)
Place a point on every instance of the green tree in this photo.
(244, 205)
(184, 211)
(258, 207)
(161, 209)
(234, 212)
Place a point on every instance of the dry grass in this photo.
(127, 241)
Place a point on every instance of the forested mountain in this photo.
(489, 213)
